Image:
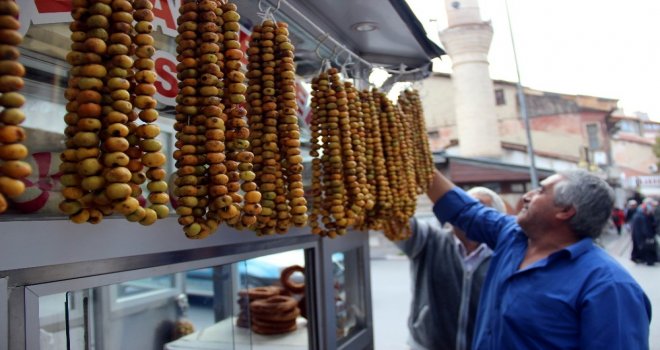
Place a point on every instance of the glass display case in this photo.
(192, 309)
(139, 295)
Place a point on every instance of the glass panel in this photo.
(52, 319)
(217, 307)
(243, 319)
(349, 293)
(144, 286)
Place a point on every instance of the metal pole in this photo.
(523, 108)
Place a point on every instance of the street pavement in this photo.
(391, 289)
(390, 298)
(620, 247)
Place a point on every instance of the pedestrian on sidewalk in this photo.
(629, 212)
(448, 271)
(548, 285)
(643, 228)
(618, 218)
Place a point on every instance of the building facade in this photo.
(568, 131)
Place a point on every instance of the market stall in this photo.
(121, 285)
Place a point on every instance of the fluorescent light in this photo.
(364, 26)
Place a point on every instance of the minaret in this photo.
(467, 40)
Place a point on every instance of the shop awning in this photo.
(463, 171)
(382, 33)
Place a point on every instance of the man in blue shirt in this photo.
(548, 285)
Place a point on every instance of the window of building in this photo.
(630, 126)
(518, 188)
(499, 97)
(593, 131)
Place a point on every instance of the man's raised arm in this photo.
(453, 205)
(439, 186)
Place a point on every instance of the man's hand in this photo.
(439, 186)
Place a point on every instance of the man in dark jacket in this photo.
(631, 208)
(447, 271)
(643, 232)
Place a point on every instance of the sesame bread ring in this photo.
(273, 331)
(275, 304)
(284, 291)
(259, 292)
(285, 279)
(277, 317)
(273, 324)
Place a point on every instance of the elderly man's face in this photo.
(539, 207)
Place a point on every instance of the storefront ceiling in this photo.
(399, 38)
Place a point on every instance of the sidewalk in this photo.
(619, 246)
(382, 248)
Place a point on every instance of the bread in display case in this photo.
(192, 309)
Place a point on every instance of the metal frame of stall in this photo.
(52, 256)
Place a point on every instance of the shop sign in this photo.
(59, 11)
(165, 12)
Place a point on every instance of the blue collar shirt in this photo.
(577, 298)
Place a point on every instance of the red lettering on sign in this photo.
(50, 6)
(166, 70)
(162, 10)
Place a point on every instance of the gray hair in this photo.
(592, 198)
(498, 203)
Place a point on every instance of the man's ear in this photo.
(566, 213)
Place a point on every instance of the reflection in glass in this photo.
(241, 284)
(145, 285)
(194, 309)
(349, 294)
(52, 310)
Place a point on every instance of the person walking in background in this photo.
(643, 232)
(656, 216)
(447, 273)
(549, 286)
(629, 212)
(618, 218)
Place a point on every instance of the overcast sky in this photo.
(604, 48)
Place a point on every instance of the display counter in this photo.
(225, 335)
(121, 284)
